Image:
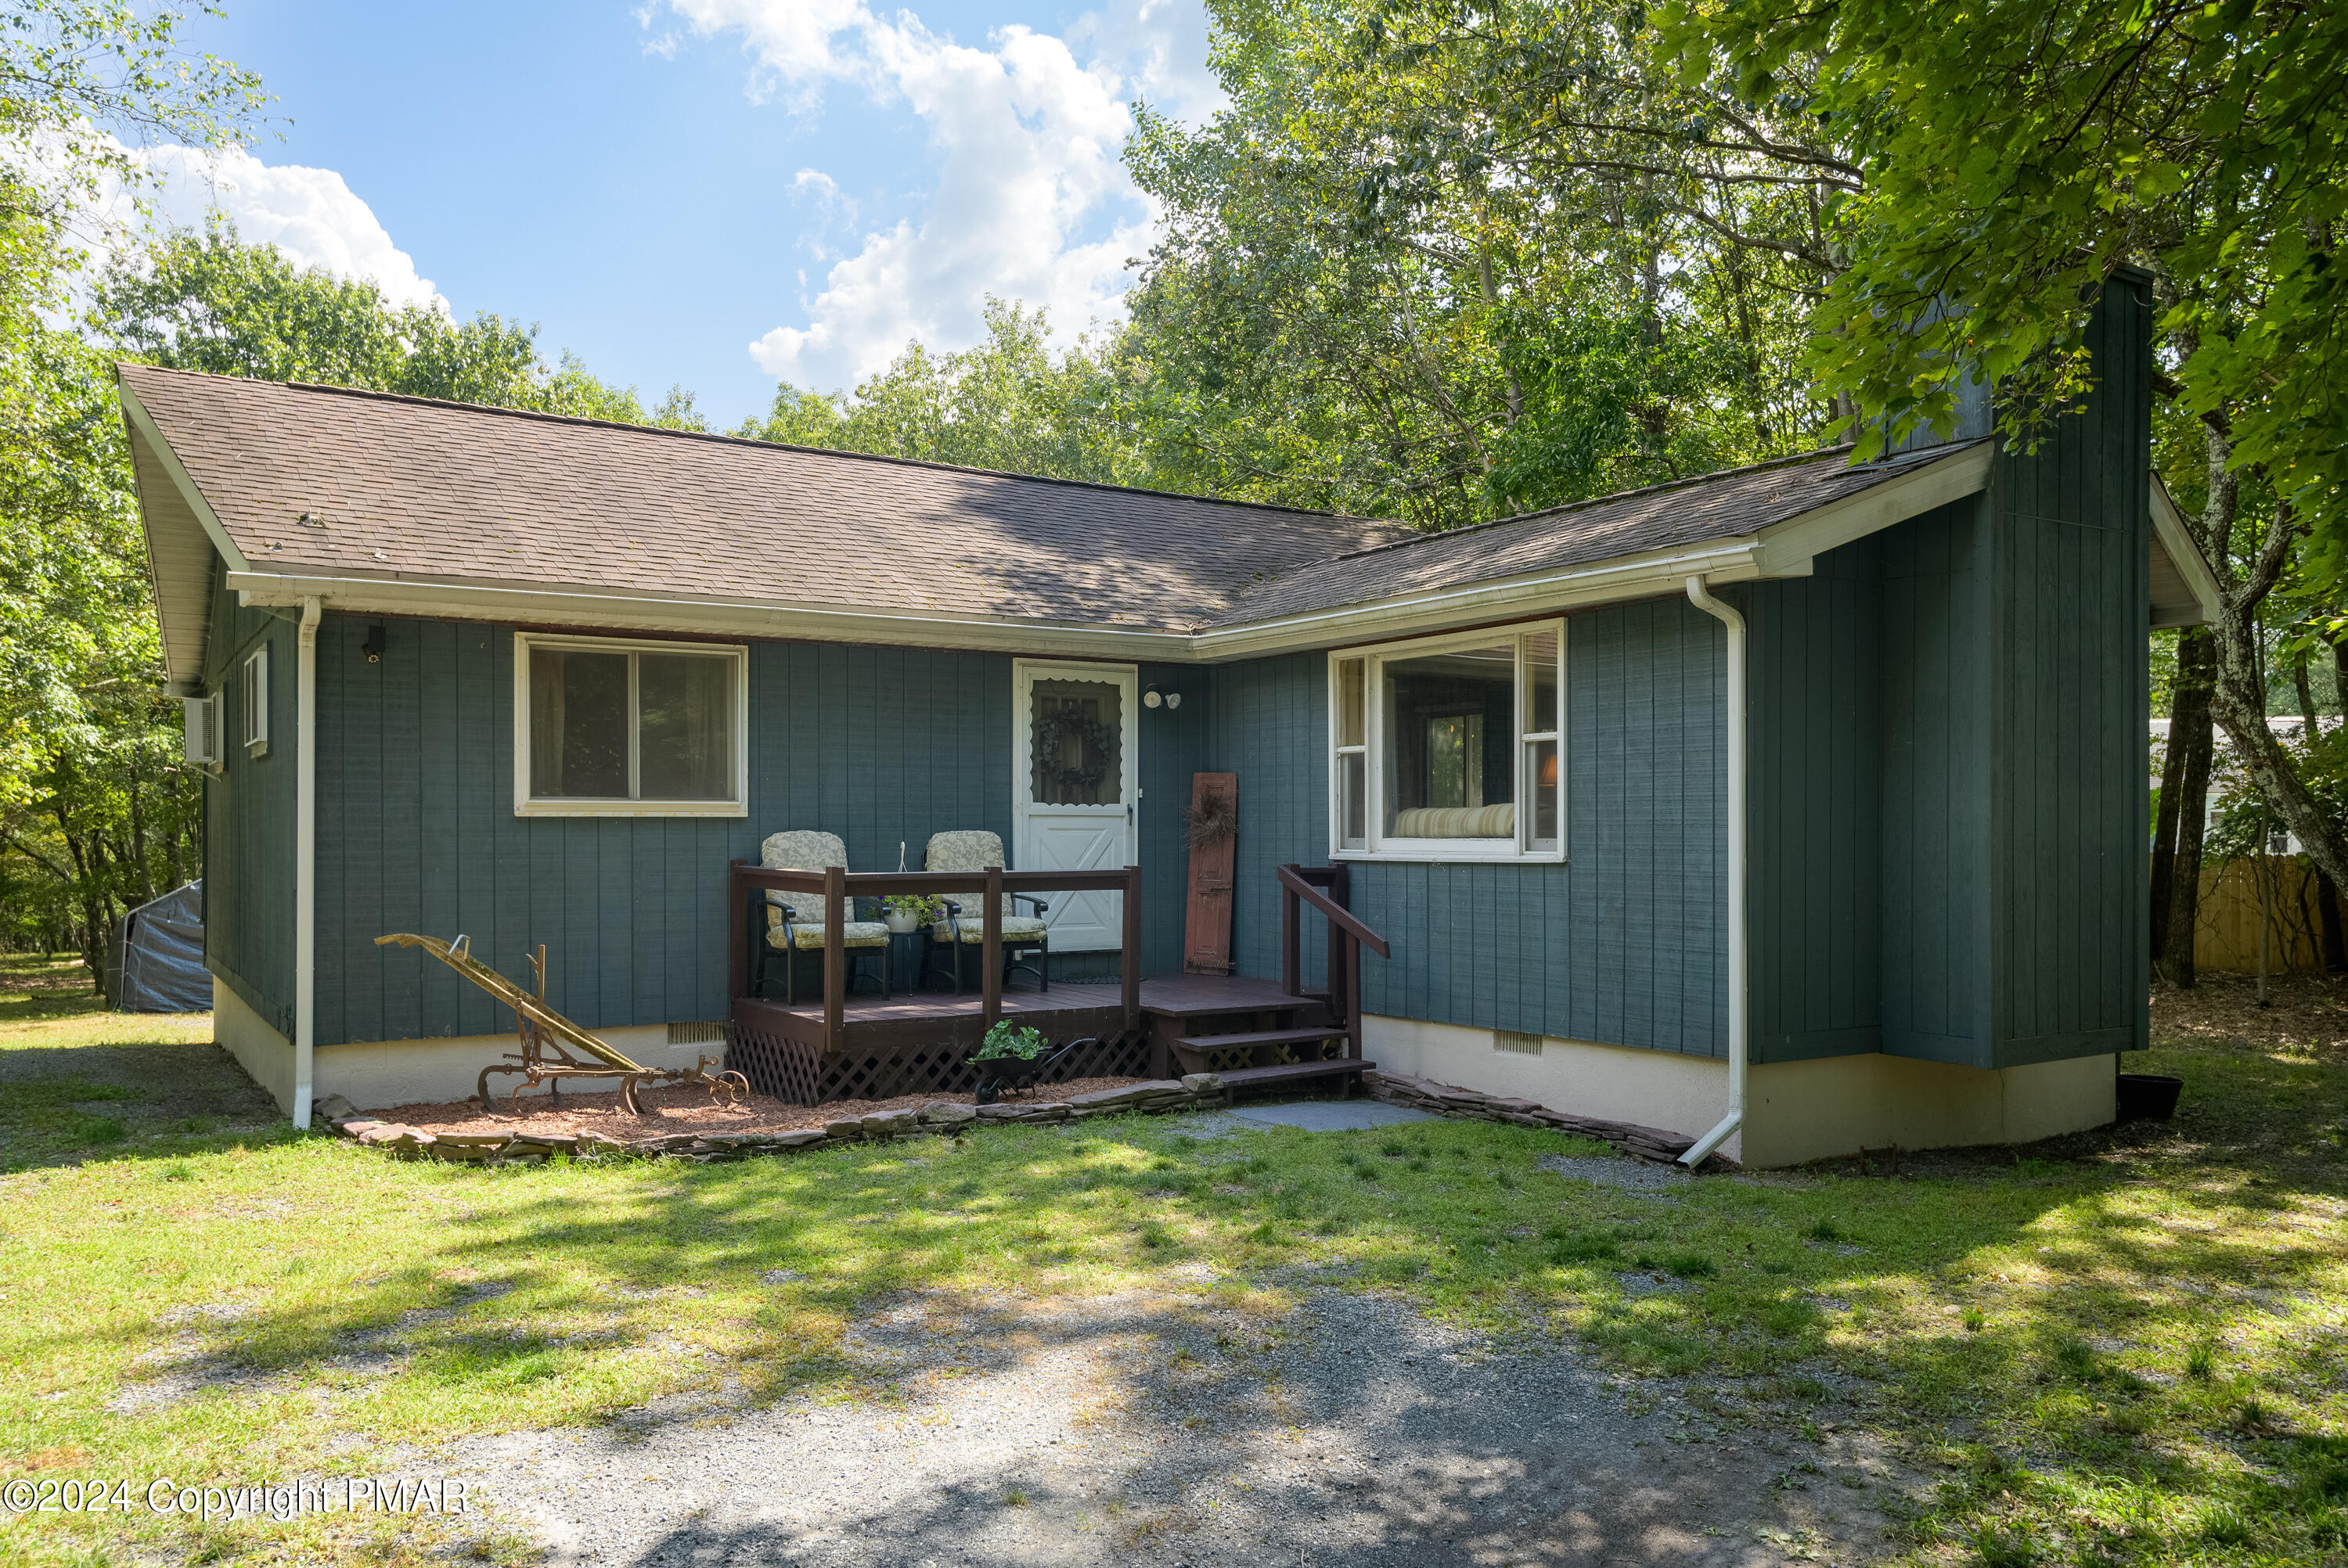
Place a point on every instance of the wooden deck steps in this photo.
(1254, 1038)
(1292, 1072)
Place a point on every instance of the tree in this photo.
(1432, 262)
(2008, 157)
(1006, 404)
(2184, 796)
(93, 811)
(209, 301)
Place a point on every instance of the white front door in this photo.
(1076, 782)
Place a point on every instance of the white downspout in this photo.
(305, 857)
(1737, 986)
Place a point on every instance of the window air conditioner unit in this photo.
(203, 719)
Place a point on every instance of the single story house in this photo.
(1801, 802)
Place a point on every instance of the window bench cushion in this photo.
(1457, 822)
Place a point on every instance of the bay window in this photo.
(1449, 748)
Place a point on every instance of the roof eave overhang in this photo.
(1784, 549)
(1617, 581)
(183, 654)
(2175, 541)
(453, 599)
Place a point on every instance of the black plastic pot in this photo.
(2148, 1096)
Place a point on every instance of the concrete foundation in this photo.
(379, 1075)
(264, 1053)
(1795, 1111)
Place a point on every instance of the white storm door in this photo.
(1076, 784)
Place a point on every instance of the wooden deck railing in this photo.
(837, 887)
(1305, 884)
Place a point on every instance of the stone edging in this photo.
(1448, 1100)
(1197, 1091)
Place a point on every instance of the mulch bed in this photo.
(685, 1110)
(2306, 1014)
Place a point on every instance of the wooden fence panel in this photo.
(2226, 935)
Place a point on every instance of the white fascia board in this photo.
(446, 600)
(144, 422)
(2174, 539)
(1796, 540)
(1624, 577)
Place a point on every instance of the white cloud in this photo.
(311, 214)
(1030, 200)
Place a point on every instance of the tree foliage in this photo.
(93, 809)
(1008, 404)
(207, 302)
(2012, 152)
(1433, 262)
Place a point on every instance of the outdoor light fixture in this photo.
(1153, 697)
(373, 646)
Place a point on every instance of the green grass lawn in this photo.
(2117, 1352)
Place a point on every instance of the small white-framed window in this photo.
(1450, 748)
(609, 726)
(254, 701)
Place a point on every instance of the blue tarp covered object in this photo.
(162, 946)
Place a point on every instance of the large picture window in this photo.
(606, 727)
(1449, 748)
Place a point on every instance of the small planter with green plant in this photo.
(912, 912)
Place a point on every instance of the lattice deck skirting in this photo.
(796, 1075)
(774, 1065)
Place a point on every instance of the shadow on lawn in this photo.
(1350, 1425)
(67, 1105)
(2117, 1339)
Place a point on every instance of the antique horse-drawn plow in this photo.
(549, 1039)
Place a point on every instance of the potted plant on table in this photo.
(909, 912)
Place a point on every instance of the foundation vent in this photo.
(696, 1033)
(1509, 1042)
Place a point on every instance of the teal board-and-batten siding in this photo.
(2070, 943)
(1623, 943)
(249, 816)
(416, 828)
(1947, 779)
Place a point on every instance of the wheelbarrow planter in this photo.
(1001, 1075)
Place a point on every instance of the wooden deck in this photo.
(1067, 1011)
(918, 1042)
(847, 1046)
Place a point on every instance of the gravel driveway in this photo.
(1170, 1428)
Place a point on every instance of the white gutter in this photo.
(1738, 999)
(305, 858)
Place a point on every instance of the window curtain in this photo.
(686, 706)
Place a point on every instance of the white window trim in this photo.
(254, 700)
(526, 804)
(204, 724)
(1372, 749)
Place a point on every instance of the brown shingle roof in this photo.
(1731, 504)
(413, 489)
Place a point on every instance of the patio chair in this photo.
(1023, 935)
(795, 920)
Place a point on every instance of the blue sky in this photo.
(721, 193)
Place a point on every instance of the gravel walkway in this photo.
(1169, 1428)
